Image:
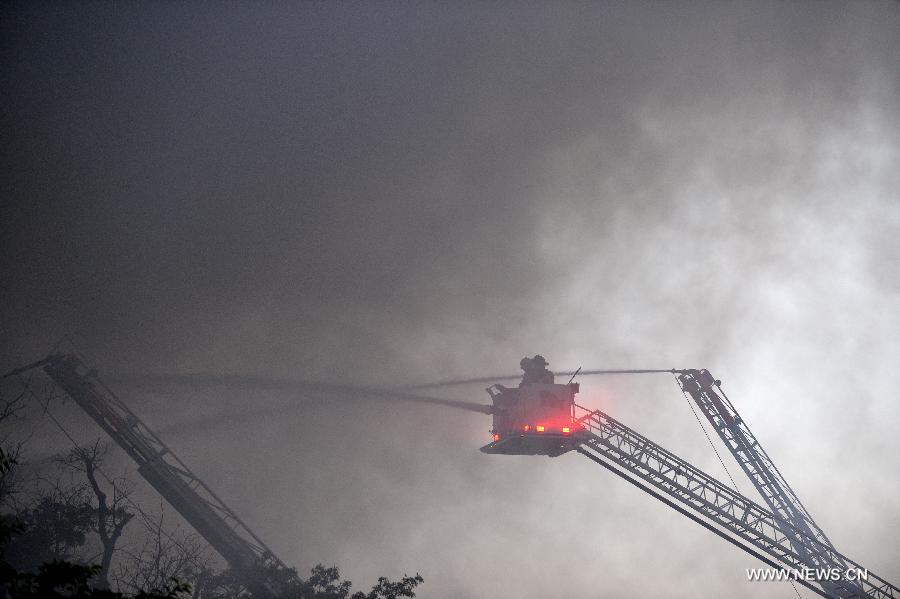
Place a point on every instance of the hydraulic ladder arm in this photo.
(244, 551)
(719, 508)
(706, 392)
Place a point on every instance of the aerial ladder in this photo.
(541, 417)
(720, 509)
(242, 549)
(783, 535)
(707, 393)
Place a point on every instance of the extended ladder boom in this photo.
(718, 507)
(191, 497)
(706, 392)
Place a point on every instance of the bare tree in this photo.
(164, 554)
(10, 407)
(112, 515)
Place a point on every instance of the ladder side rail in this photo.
(717, 502)
(719, 404)
(752, 530)
(755, 446)
(751, 463)
(737, 517)
(752, 445)
(748, 452)
(711, 526)
(692, 484)
(210, 517)
(224, 539)
(150, 438)
(149, 462)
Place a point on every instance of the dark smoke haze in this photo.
(303, 389)
(380, 195)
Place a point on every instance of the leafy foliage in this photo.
(49, 530)
(43, 534)
(323, 583)
(60, 579)
(385, 589)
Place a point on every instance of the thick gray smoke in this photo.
(304, 389)
(381, 194)
(511, 377)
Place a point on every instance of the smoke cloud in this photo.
(380, 195)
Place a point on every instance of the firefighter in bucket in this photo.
(538, 417)
(535, 371)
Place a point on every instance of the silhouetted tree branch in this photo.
(111, 515)
(163, 555)
(10, 407)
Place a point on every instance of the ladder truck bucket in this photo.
(535, 419)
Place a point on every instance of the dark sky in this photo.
(392, 193)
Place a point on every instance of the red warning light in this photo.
(566, 430)
(496, 437)
(540, 428)
(526, 428)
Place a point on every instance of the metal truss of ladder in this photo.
(702, 387)
(244, 551)
(718, 507)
